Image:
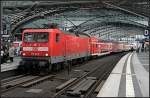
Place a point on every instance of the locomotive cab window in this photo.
(57, 37)
(36, 37)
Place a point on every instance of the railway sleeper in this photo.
(78, 73)
(60, 87)
(36, 81)
(8, 86)
(18, 81)
(10, 78)
(74, 93)
(93, 78)
(77, 85)
(87, 86)
(81, 87)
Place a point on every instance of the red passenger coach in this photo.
(99, 47)
(94, 46)
(104, 47)
(115, 47)
(120, 47)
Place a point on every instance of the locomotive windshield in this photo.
(36, 37)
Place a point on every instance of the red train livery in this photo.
(47, 48)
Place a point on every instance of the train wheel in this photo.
(48, 69)
(84, 60)
(62, 66)
(45, 68)
(56, 67)
(36, 70)
(81, 60)
(21, 69)
(65, 64)
(74, 62)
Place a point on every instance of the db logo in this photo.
(34, 49)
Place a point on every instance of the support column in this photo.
(149, 27)
(1, 29)
(149, 23)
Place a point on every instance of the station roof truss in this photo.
(100, 24)
(99, 17)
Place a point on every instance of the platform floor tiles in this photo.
(10, 65)
(129, 78)
(144, 59)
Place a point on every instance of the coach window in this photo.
(96, 46)
(57, 37)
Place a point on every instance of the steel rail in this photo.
(9, 85)
(76, 81)
(101, 78)
(79, 79)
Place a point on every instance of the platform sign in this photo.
(146, 33)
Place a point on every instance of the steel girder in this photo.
(100, 28)
(54, 5)
(115, 28)
(87, 25)
(137, 7)
(122, 32)
(106, 31)
(38, 16)
(98, 22)
(119, 31)
(26, 4)
(120, 25)
(92, 25)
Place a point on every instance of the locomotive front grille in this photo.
(35, 58)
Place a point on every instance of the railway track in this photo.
(85, 85)
(23, 81)
(100, 79)
(11, 78)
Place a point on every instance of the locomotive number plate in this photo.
(34, 49)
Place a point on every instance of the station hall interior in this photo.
(75, 48)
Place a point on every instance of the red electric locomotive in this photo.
(48, 48)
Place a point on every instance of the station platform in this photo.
(129, 78)
(10, 65)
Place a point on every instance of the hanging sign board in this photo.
(146, 33)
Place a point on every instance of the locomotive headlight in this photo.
(23, 54)
(46, 54)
